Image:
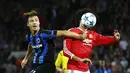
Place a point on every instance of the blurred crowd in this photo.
(59, 14)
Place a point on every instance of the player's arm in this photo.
(65, 61)
(69, 54)
(62, 33)
(84, 60)
(29, 52)
(27, 56)
(104, 40)
(65, 33)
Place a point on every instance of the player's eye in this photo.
(36, 20)
(31, 20)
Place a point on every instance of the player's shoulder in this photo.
(27, 36)
(61, 52)
(44, 31)
(51, 32)
(73, 29)
(92, 32)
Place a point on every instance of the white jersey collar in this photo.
(83, 30)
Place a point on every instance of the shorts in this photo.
(43, 68)
(76, 71)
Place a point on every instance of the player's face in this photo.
(33, 23)
(102, 63)
(81, 24)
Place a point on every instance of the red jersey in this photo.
(83, 49)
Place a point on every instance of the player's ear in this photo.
(27, 24)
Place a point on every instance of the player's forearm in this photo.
(29, 52)
(84, 60)
(70, 34)
(58, 69)
(28, 55)
(108, 40)
(76, 58)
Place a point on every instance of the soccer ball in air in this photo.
(88, 20)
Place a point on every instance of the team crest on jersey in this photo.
(38, 40)
(90, 36)
(38, 45)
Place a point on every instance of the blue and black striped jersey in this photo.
(42, 45)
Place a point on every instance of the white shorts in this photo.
(76, 71)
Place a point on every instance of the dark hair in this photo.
(30, 14)
(80, 12)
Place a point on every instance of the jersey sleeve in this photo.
(65, 61)
(58, 61)
(48, 34)
(104, 40)
(67, 47)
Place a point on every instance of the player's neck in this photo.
(35, 32)
(83, 28)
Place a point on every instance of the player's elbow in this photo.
(61, 33)
(64, 33)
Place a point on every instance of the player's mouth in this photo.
(34, 26)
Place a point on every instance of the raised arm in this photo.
(104, 40)
(62, 33)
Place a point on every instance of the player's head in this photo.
(83, 13)
(102, 63)
(32, 20)
(88, 20)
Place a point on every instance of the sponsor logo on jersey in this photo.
(87, 42)
(37, 46)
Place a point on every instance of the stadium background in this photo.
(58, 14)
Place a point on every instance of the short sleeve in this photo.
(58, 60)
(48, 34)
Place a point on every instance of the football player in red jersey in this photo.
(79, 51)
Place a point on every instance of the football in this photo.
(88, 20)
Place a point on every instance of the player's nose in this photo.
(34, 23)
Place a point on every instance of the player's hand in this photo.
(83, 36)
(23, 63)
(86, 61)
(61, 71)
(116, 34)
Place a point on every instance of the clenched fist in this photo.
(23, 63)
(116, 34)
